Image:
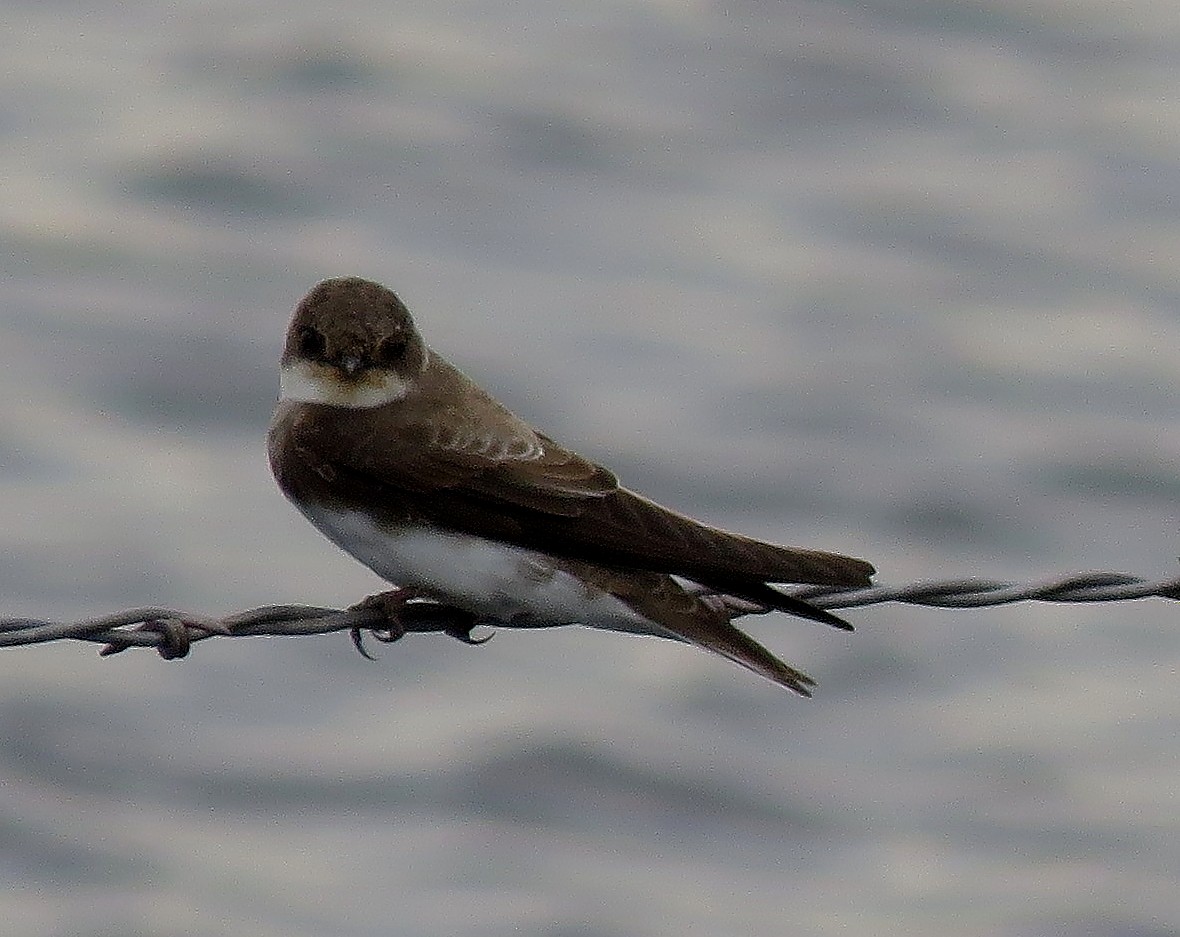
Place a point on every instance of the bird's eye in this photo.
(311, 342)
(391, 350)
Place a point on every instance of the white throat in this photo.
(307, 382)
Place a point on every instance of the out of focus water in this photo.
(888, 277)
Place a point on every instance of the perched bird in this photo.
(402, 461)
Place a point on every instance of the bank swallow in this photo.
(403, 462)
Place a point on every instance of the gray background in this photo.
(893, 278)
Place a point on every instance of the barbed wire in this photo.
(386, 617)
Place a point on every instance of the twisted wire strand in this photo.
(172, 631)
(976, 593)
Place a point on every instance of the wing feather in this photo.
(459, 459)
(481, 466)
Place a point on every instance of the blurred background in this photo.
(894, 278)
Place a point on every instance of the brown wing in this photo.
(475, 467)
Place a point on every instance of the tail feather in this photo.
(768, 596)
(730, 642)
(689, 616)
(700, 616)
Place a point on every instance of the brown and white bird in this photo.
(402, 461)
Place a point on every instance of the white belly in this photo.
(493, 580)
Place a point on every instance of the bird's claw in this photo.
(390, 605)
(462, 632)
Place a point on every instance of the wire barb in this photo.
(386, 617)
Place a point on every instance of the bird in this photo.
(408, 465)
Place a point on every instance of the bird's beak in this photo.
(350, 364)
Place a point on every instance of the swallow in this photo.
(406, 464)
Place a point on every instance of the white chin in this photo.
(303, 382)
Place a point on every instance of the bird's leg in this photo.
(399, 616)
(462, 628)
(390, 604)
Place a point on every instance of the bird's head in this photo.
(351, 343)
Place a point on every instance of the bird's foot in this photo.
(390, 605)
(398, 616)
(462, 628)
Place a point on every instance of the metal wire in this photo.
(172, 632)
